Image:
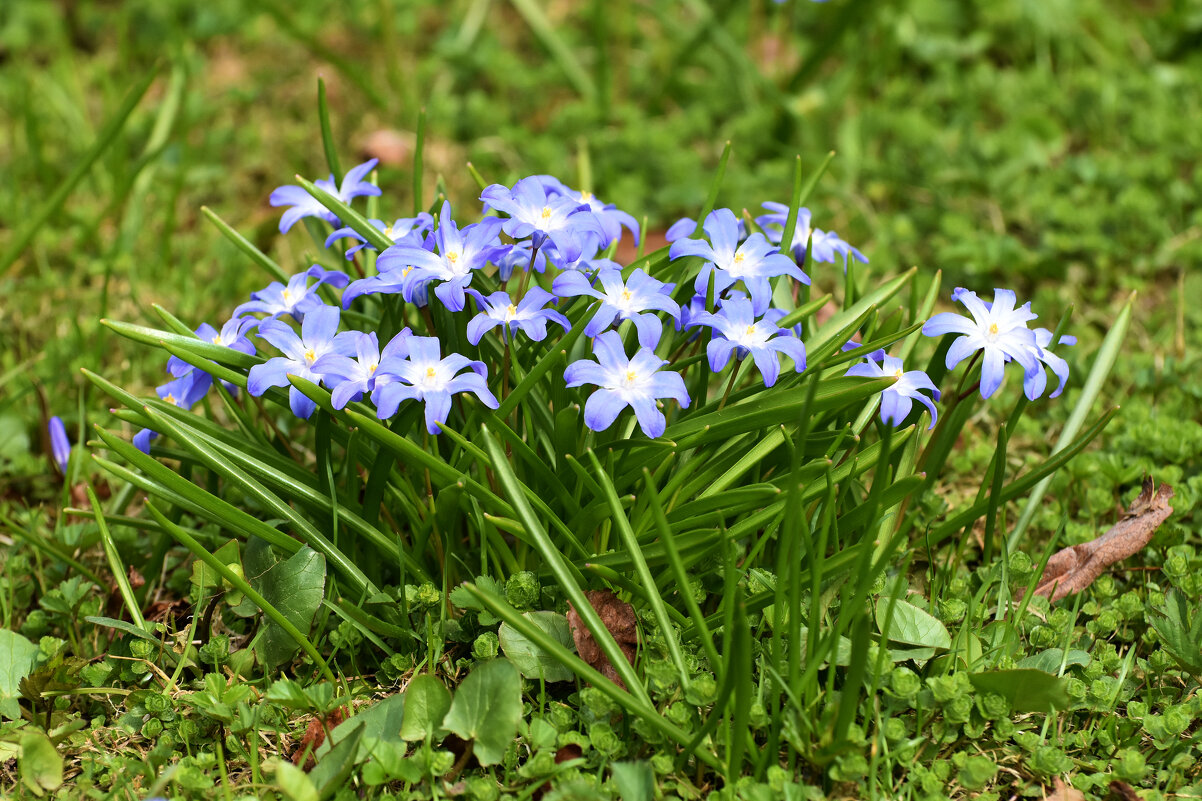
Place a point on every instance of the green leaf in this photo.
(1027, 690)
(1049, 661)
(427, 701)
(289, 694)
(294, 587)
(912, 626)
(294, 783)
(41, 765)
(16, 662)
(206, 577)
(381, 724)
(335, 767)
(634, 781)
(531, 660)
(487, 709)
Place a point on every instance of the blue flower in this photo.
(823, 245)
(60, 446)
(527, 315)
(406, 230)
(520, 255)
(753, 262)
(740, 333)
(1035, 383)
(317, 338)
(897, 400)
(425, 377)
(633, 299)
(459, 255)
(305, 205)
(687, 226)
(232, 335)
(611, 218)
(636, 382)
(998, 329)
(563, 221)
(182, 392)
(296, 298)
(350, 378)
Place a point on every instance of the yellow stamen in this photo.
(287, 296)
(372, 369)
(631, 376)
(546, 212)
(897, 373)
(739, 258)
(511, 311)
(453, 257)
(626, 295)
(217, 339)
(751, 330)
(169, 398)
(993, 330)
(310, 355)
(586, 196)
(430, 372)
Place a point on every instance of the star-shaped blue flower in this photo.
(635, 299)
(824, 244)
(350, 379)
(532, 213)
(636, 382)
(997, 329)
(753, 262)
(450, 270)
(528, 315)
(425, 376)
(897, 400)
(319, 336)
(295, 299)
(740, 333)
(305, 205)
(405, 231)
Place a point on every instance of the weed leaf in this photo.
(487, 709)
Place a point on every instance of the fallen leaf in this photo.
(315, 735)
(618, 617)
(1124, 791)
(1064, 792)
(1074, 568)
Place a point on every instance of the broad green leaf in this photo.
(1027, 690)
(16, 662)
(1049, 661)
(911, 625)
(289, 694)
(381, 724)
(335, 767)
(41, 765)
(634, 781)
(487, 709)
(294, 587)
(208, 578)
(294, 783)
(427, 701)
(530, 659)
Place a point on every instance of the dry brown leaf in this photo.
(618, 617)
(315, 735)
(1064, 792)
(1074, 568)
(1124, 791)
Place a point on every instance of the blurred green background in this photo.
(1051, 146)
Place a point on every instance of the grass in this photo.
(1049, 147)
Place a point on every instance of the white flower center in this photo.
(992, 332)
(511, 312)
(310, 356)
(632, 379)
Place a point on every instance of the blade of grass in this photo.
(1108, 354)
(115, 563)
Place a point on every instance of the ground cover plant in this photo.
(387, 591)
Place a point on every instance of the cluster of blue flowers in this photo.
(540, 224)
